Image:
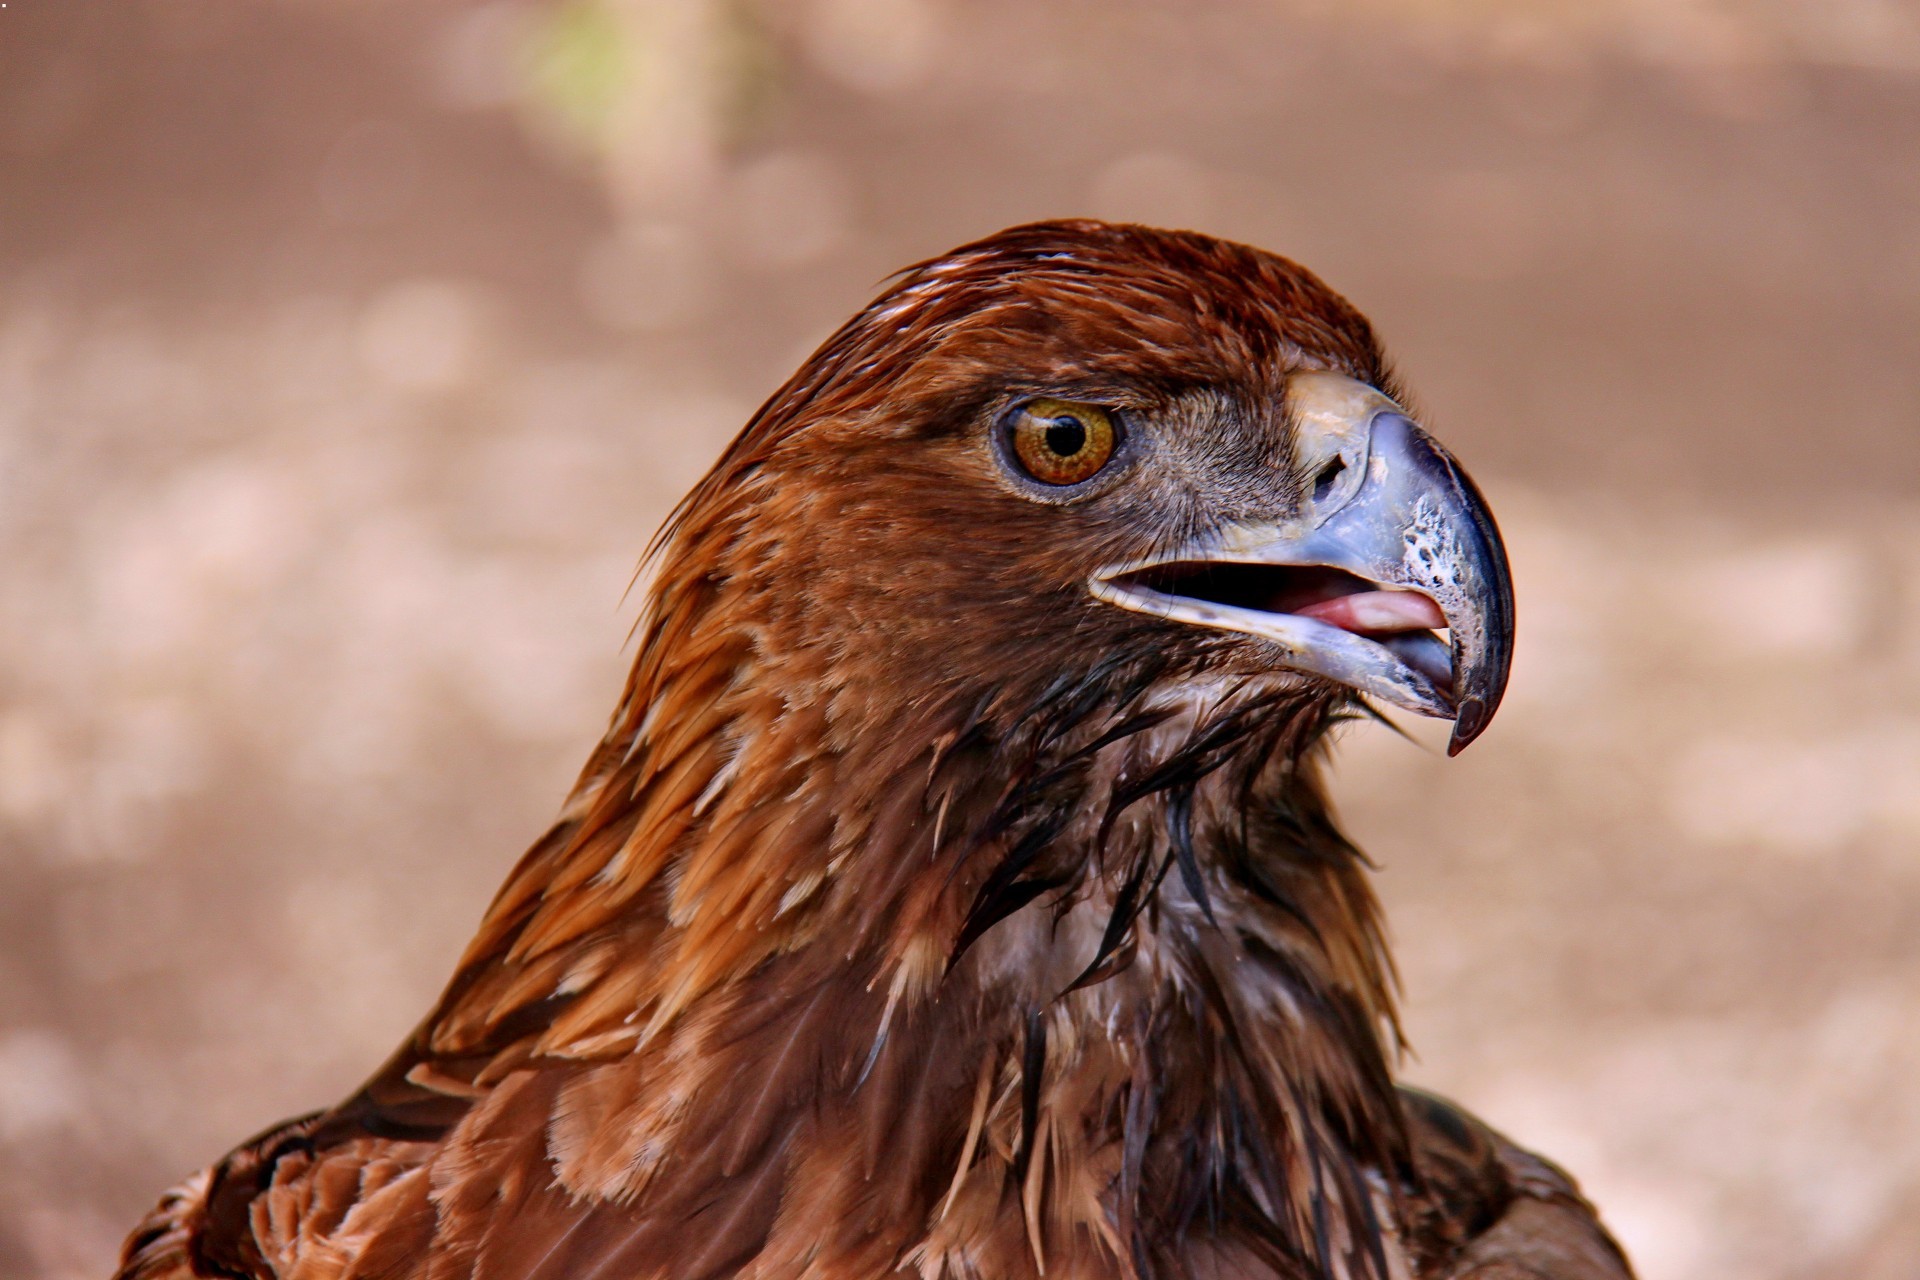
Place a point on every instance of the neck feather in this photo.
(1081, 976)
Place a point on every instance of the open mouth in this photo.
(1406, 623)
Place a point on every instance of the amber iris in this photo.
(1061, 442)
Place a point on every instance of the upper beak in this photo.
(1386, 507)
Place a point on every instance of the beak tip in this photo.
(1468, 722)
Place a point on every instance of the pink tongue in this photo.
(1378, 611)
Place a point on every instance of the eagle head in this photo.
(1080, 453)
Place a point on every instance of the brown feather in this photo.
(855, 952)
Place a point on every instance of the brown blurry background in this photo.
(350, 351)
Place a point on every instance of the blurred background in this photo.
(350, 352)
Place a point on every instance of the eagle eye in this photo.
(1060, 442)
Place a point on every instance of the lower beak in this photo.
(1394, 543)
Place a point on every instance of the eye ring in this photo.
(1059, 443)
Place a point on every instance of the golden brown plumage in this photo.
(924, 913)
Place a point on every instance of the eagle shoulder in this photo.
(1485, 1208)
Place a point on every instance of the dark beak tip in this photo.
(1468, 722)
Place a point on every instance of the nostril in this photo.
(1323, 483)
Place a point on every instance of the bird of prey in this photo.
(954, 894)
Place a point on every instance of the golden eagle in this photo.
(954, 894)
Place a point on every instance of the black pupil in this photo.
(1066, 436)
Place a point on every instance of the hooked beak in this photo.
(1392, 542)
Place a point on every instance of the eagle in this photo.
(955, 894)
